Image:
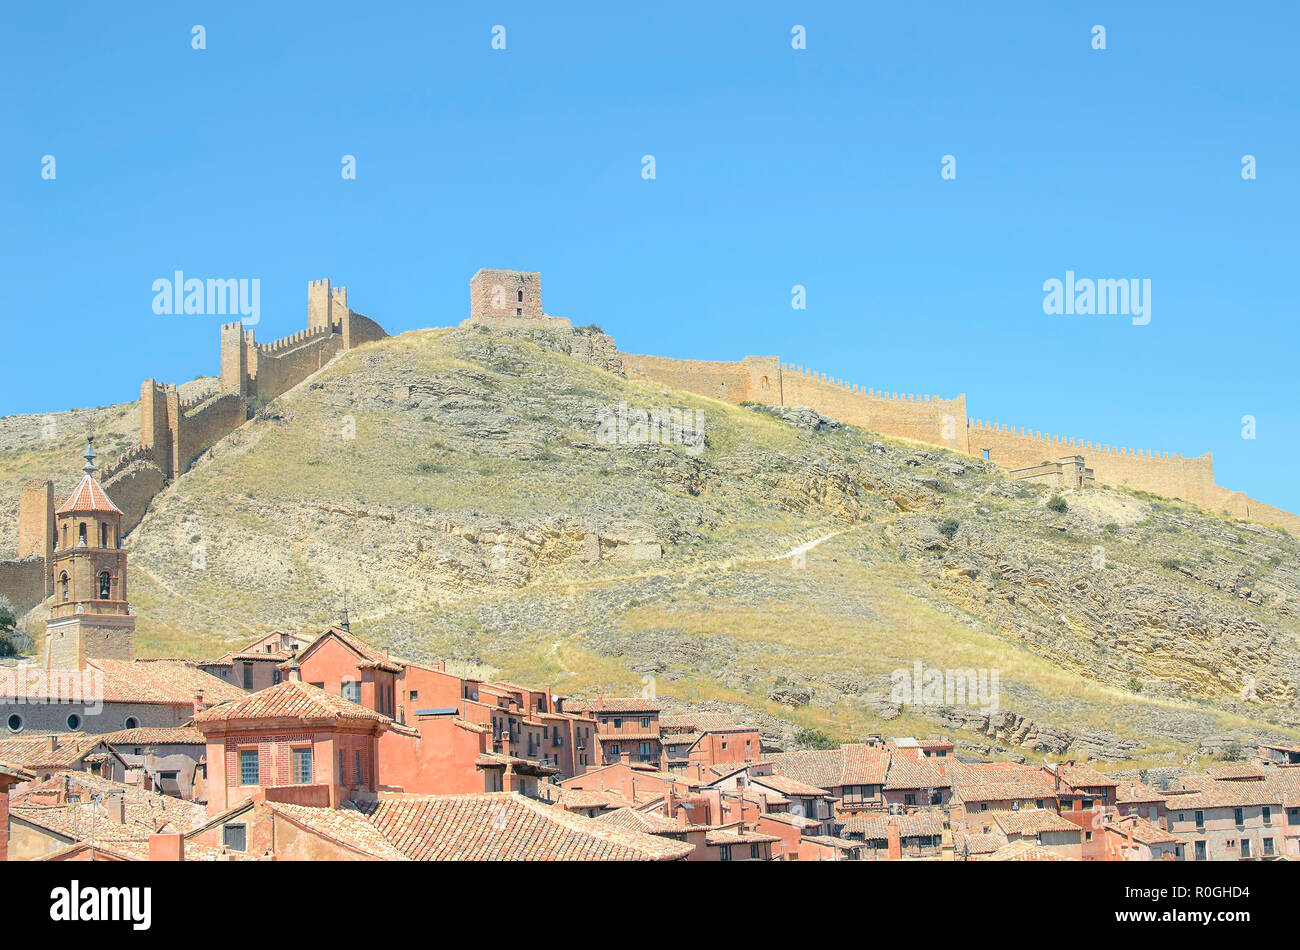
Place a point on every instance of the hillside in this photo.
(450, 485)
(48, 445)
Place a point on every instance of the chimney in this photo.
(294, 671)
(343, 620)
(895, 841)
(51, 742)
(166, 847)
(670, 802)
(199, 704)
(115, 805)
(510, 781)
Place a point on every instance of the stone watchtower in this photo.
(509, 298)
(90, 617)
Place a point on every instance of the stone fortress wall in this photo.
(513, 299)
(175, 431)
(943, 422)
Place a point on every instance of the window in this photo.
(130, 722)
(1200, 819)
(1238, 816)
(15, 723)
(724, 853)
(645, 724)
(235, 837)
(1087, 803)
(1200, 851)
(1268, 846)
(986, 455)
(1038, 803)
(302, 773)
(1267, 814)
(1245, 847)
(103, 535)
(614, 750)
(645, 752)
(63, 586)
(105, 585)
(755, 852)
(520, 297)
(81, 534)
(248, 767)
(519, 312)
(74, 722)
(618, 723)
(352, 690)
(414, 695)
(248, 676)
(356, 771)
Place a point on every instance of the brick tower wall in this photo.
(25, 581)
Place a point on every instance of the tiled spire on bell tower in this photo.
(90, 616)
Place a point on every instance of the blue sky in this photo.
(774, 167)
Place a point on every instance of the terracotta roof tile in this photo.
(1022, 850)
(853, 764)
(163, 682)
(506, 826)
(616, 705)
(721, 836)
(905, 772)
(291, 699)
(150, 735)
(1144, 831)
(651, 822)
(32, 750)
(89, 498)
(875, 826)
(144, 813)
(787, 785)
(1084, 776)
(1032, 821)
(347, 826)
(1227, 794)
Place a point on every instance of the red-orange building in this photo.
(292, 734)
(627, 730)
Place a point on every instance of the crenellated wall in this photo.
(943, 422)
(753, 379)
(930, 419)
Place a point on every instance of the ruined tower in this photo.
(89, 616)
(509, 298)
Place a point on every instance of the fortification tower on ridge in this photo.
(509, 298)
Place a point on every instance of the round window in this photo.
(74, 722)
(131, 723)
(15, 723)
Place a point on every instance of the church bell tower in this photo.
(90, 617)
